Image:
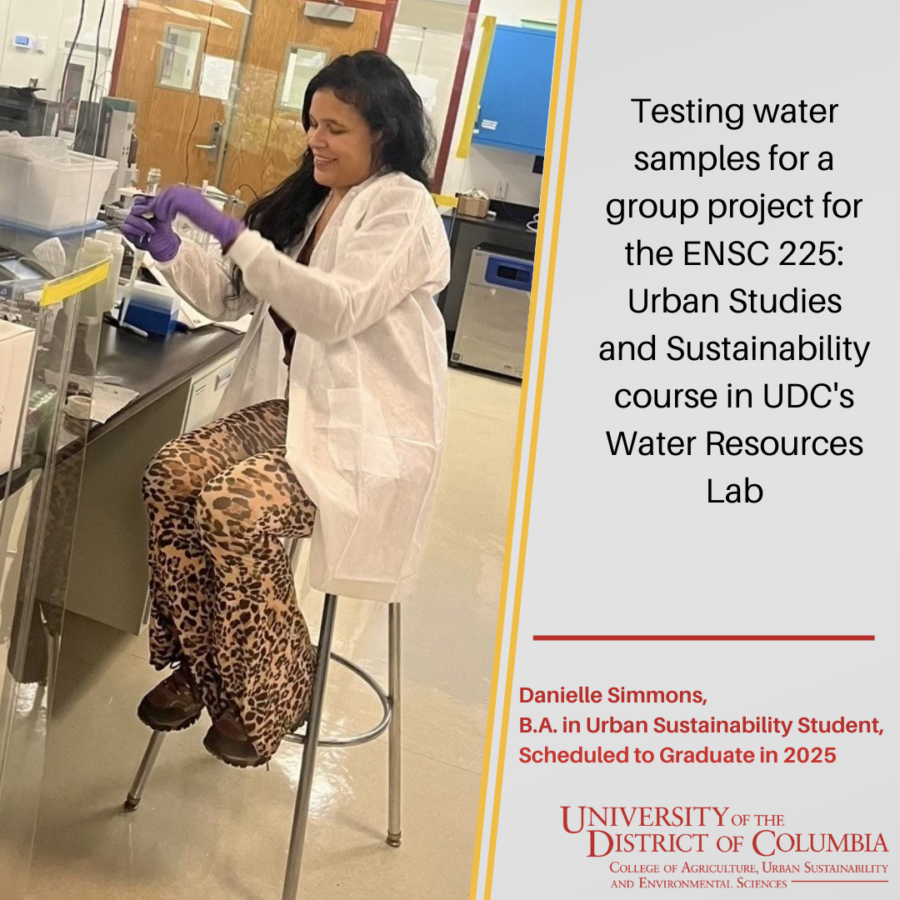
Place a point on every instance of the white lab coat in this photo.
(368, 378)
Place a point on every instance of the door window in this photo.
(301, 65)
(180, 55)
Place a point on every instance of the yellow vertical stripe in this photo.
(481, 64)
(523, 407)
(539, 388)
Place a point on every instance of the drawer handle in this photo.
(223, 379)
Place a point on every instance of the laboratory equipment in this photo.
(493, 321)
(22, 111)
(107, 129)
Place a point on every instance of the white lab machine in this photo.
(492, 330)
(106, 129)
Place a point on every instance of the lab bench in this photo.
(179, 382)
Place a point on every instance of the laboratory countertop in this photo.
(152, 367)
(500, 225)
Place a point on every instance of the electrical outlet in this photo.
(501, 190)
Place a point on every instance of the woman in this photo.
(341, 264)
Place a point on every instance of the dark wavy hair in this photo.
(380, 91)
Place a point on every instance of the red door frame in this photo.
(465, 53)
(120, 46)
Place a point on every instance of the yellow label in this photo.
(445, 200)
(70, 285)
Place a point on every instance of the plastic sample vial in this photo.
(154, 178)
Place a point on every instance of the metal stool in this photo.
(390, 703)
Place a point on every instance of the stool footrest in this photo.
(354, 739)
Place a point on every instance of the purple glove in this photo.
(152, 235)
(194, 206)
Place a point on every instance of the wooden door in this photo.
(160, 64)
(265, 138)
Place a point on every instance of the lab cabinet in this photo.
(108, 576)
(515, 99)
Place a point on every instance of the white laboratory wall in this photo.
(52, 23)
(443, 15)
(430, 57)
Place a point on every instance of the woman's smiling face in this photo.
(343, 145)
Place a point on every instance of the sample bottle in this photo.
(93, 299)
(114, 241)
(154, 178)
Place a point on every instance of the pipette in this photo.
(123, 309)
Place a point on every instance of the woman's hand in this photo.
(194, 206)
(150, 234)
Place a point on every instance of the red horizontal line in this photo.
(704, 637)
(839, 881)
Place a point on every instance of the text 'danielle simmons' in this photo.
(589, 694)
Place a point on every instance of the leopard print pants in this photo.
(219, 502)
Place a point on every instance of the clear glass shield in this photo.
(47, 363)
(55, 175)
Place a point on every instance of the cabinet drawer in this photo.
(207, 388)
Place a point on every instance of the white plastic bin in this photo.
(53, 196)
(16, 346)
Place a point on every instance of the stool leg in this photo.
(393, 837)
(143, 773)
(292, 551)
(307, 767)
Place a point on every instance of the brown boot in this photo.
(173, 704)
(228, 740)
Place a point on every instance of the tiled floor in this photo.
(205, 830)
